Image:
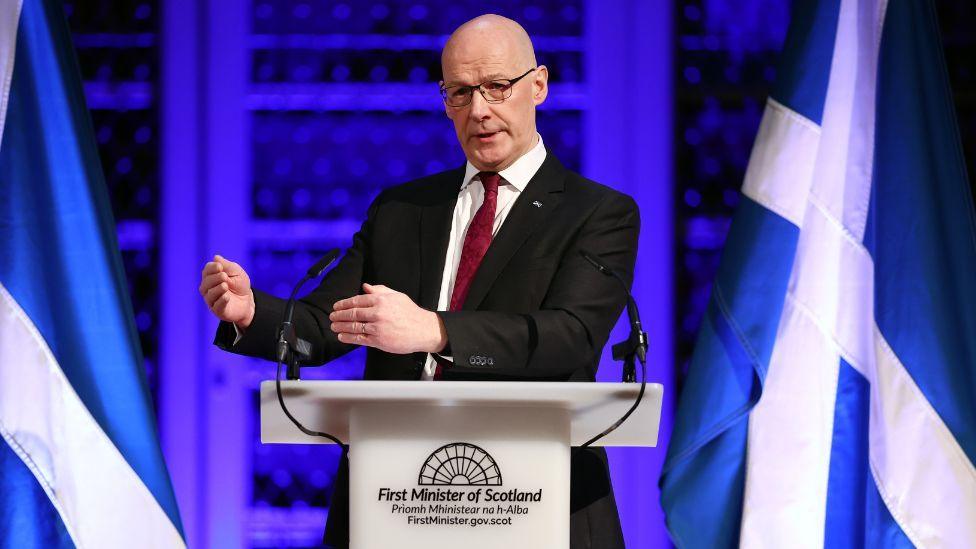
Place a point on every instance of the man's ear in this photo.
(447, 110)
(540, 85)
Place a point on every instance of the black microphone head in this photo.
(316, 270)
(592, 259)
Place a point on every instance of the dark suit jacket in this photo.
(536, 310)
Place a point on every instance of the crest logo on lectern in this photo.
(460, 464)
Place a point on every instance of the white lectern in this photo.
(452, 464)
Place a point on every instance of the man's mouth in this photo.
(486, 136)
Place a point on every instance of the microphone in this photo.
(634, 346)
(292, 349)
(321, 265)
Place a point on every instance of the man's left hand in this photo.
(387, 320)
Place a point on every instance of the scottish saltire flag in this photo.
(831, 400)
(80, 463)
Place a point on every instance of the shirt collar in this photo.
(519, 173)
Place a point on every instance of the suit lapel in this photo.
(544, 188)
(435, 232)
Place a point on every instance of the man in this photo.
(470, 274)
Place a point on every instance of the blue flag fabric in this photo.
(80, 463)
(830, 397)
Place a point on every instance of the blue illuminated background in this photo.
(261, 129)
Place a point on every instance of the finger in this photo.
(220, 305)
(228, 266)
(357, 339)
(350, 315)
(348, 303)
(377, 289)
(353, 328)
(216, 293)
(211, 267)
(212, 280)
(356, 301)
(213, 294)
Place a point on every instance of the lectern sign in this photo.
(452, 464)
(460, 484)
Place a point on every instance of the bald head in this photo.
(489, 32)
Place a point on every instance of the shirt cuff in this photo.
(238, 336)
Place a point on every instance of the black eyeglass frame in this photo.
(507, 92)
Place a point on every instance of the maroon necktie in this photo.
(476, 243)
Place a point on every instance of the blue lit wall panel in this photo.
(726, 57)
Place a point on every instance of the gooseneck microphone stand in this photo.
(292, 350)
(635, 346)
(632, 349)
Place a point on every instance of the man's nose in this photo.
(479, 109)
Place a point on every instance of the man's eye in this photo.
(460, 91)
(496, 86)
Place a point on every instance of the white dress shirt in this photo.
(514, 180)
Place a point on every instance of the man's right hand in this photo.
(227, 290)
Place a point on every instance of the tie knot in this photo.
(490, 181)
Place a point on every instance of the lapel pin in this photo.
(537, 204)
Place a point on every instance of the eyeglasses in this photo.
(494, 91)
